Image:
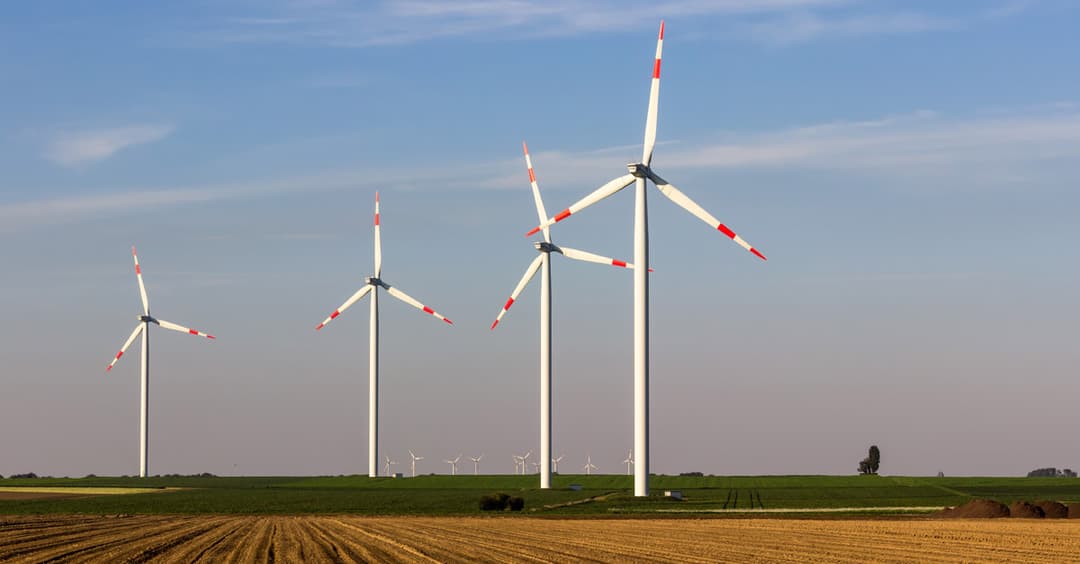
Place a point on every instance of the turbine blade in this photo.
(540, 211)
(590, 257)
(597, 195)
(529, 273)
(142, 287)
(138, 329)
(411, 301)
(348, 303)
(182, 329)
(654, 102)
(675, 195)
(378, 239)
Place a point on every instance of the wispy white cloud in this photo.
(804, 26)
(359, 24)
(982, 150)
(1010, 8)
(84, 147)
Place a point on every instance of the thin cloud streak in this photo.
(800, 27)
(350, 24)
(985, 150)
(83, 147)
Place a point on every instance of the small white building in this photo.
(673, 494)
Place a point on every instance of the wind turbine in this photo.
(523, 459)
(476, 464)
(517, 462)
(144, 327)
(543, 263)
(589, 467)
(371, 285)
(388, 464)
(629, 461)
(414, 459)
(638, 174)
(555, 464)
(453, 464)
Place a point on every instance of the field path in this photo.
(330, 538)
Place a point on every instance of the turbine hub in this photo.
(639, 170)
(373, 281)
(147, 319)
(545, 247)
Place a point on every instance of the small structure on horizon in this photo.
(673, 494)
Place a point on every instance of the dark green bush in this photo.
(517, 504)
(494, 502)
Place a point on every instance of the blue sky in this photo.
(909, 168)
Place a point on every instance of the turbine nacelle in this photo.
(148, 319)
(373, 281)
(545, 247)
(639, 170)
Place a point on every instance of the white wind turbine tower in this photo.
(639, 173)
(414, 459)
(517, 462)
(389, 463)
(555, 464)
(144, 327)
(543, 263)
(371, 285)
(589, 467)
(523, 461)
(629, 462)
(453, 464)
(476, 464)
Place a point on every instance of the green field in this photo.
(459, 495)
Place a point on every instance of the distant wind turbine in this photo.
(389, 463)
(543, 263)
(144, 327)
(453, 465)
(589, 467)
(371, 285)
(523, 460)
(629, 462)
(555, 464)
(476, 464)
(414, 459)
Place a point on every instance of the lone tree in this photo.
(869, 465)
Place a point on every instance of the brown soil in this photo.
(1074, 511)
(976, 509)
(193, 538)
(1053, 509)
(1025, 510)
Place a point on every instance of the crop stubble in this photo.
(77, 538)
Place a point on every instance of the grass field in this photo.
(459, 495)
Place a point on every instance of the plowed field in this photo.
(72, 538)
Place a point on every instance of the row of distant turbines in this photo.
(638, 174)
(520, 466)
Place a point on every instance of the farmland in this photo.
(221, 538)
(458, 495)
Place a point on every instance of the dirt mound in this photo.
(976, 509)
(1025, 510)
(1074, 511)
(1053, 509)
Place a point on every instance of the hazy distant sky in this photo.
(909, 168)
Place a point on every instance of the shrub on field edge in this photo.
(517, 503)
(494, 502)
